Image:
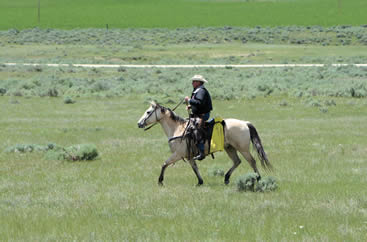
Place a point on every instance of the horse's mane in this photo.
(172, 114)
(175, 117)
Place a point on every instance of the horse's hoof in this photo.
(226, 182)
(200, 183)
(160, 184)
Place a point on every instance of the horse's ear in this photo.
(158, 105)
(163, 109)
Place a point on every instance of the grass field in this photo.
(180, 13)
(229, 45)
(311, 120)
(319, 159)
(184, 54)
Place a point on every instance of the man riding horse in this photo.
(238, 135)
(200, 104)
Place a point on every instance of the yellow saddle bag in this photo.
(217, 140)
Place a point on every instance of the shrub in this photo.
(68, 100)
(216, 171)
(28, 148)
(324, 110)
(266, 184)
(17, 93)
(35, 69)
(121, 69)
(247, 182)
(100, 86)
(2, 91)
(330, 103)
(314, 103)
(54, 152)
(283, 103)
(14, 101)
(21, 148)
(52, 92)
(81, 152)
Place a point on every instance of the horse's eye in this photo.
(148, 112)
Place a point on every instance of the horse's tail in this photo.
(256, 141)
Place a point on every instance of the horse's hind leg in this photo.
(196, 170)
(232, 153)
(251, 160)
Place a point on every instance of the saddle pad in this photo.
(217, 140)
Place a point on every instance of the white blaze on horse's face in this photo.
(150, 116)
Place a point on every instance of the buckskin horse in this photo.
(238, 135)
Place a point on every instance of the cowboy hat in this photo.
(199, 78)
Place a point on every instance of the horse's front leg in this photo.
(172, 159)
(196, 170)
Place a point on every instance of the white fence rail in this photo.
(181, 66)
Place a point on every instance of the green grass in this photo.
(319, 160)
(233, 53)
(315, 139)
(230, 45)
(179, 13)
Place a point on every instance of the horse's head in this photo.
(152, 115)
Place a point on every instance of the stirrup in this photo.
(199, 157)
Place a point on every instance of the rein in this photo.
(155, 111)
(179, 103)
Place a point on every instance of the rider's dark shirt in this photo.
(200, 101)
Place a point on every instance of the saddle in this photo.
(211, 131)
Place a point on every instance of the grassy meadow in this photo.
(229, 45)
(312, 121)
(69, 14)
(319, 159)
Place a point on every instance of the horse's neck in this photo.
(171, 128)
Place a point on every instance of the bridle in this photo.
(156, 117)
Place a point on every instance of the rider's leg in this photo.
(201, 155)
(200, 145)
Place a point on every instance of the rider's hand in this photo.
(187, 99)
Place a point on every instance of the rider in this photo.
(201, 105)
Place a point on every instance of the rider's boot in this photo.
(201, 155)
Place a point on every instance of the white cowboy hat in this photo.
(199, 78)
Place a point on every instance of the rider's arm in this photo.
(199, 97)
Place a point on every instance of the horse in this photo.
(238, 135)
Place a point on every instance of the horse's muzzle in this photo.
(140, 125)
